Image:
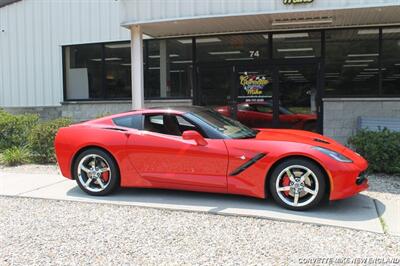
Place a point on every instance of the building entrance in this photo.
(279, 95)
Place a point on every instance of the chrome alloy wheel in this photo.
(297, 185)
(94, 173)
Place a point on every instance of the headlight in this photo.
(335, 155)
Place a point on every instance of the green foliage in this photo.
(14, 129)
(41, 139)
(381, 149)
(15, 156)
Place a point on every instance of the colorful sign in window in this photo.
(254, 87)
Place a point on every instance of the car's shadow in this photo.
(357, 208)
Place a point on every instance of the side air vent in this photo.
(115, 128)
(247, 164)
(321, 141)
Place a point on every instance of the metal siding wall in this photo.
(30, 46)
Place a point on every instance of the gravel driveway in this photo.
(37, 231)
(34, 231)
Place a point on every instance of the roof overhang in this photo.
(261, 22)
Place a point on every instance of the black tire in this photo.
(319, 185)
(113, 176)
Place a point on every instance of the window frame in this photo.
(130, 115)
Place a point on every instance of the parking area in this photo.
(366, 212)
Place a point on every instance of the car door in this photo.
(165, 159)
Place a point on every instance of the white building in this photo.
(337, 59)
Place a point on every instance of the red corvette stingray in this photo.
(259, 114)
(193, 148)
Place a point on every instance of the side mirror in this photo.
(194, 135)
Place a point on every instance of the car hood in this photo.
(299, 136)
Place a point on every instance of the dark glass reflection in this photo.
(83, 72)
(298, 45)
(118, 70)
(168, 68)
(352, 62)
(245, 48)
(391, 61)
(298, 97)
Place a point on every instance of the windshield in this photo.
(229, 127)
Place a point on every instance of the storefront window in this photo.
(98, 71)
(351, 63)
(168, 68)
(299, 45)
(83, 72)
(118, 70)
(232, 48)
(391, 61)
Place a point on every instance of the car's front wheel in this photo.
(297, 184)
(96, 172)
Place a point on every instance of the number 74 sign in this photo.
(254, 53)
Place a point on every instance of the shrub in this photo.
(41, 140)
(14, 129)
(15, 156)
(381, 149)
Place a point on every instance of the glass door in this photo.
(254, 93)
(263, 96)
(298, 97)
(215, 85)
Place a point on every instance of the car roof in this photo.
(178, 109)
(154, 110)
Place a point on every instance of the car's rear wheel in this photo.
(297, 184)
(96, 172)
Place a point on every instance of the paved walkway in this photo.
(359, 212)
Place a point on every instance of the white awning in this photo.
(194, 26)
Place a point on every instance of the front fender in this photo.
(252, 181)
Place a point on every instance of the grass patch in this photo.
(15, 156)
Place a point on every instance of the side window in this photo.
(164, 124)
(167, 124)
(156, 119)
(185, 124)
(244, 107)
(131, 121)
(261, 108)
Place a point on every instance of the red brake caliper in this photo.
(286, 183)
(105, 176)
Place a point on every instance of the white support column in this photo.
(137, 67)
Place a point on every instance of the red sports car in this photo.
(193, 148)
(259, 114)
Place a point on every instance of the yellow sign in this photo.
(253, 85)
(246, 80)
(294, 2)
